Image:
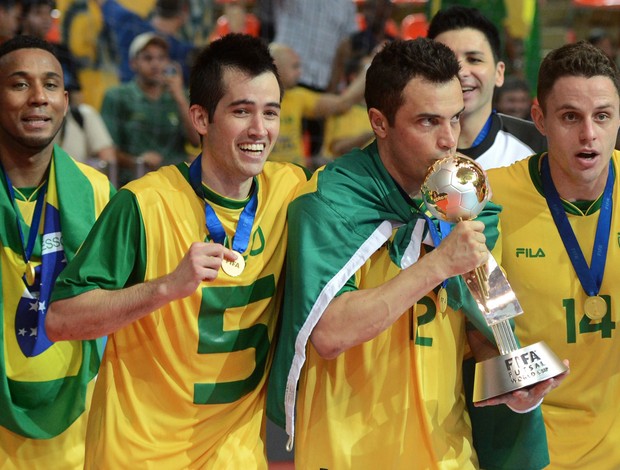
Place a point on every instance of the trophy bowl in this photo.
(455, 188)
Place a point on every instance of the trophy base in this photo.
(521, 368)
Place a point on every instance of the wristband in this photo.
(525, 411)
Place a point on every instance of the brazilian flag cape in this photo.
(42, 410)
(348, 210)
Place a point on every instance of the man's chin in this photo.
(37, 144)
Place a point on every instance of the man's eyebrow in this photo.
(22, 73)
(474, 52)
(428, 115)
(241, 101)
(273, 104)
(438, 116)
(573, 107)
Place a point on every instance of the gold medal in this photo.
(234, 268)
(30, 274)
(442, 296)
(595, 307)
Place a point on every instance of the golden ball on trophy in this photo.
(455, 188)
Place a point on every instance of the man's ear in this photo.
(538, 116)
(200, 118)
(500, 70)
(378, 122)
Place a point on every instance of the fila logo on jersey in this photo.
(530, 253)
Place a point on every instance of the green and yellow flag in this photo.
(42, 395)
(348, 211)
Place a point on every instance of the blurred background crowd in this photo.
(127, 63)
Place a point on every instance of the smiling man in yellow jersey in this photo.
(189, 290)
(48, 203)
(561, 247)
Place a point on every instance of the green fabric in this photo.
(139, 124)
(119, 233)
(354, 195)
(533, 48)
(42, 410)
(505, 440)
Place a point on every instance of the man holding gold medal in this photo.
(184, 273)
(561, 246)
(48, 204)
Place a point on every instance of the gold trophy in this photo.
(454, 189)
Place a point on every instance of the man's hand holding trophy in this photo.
(455, 189)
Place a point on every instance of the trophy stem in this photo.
(483, 280)
(504, 337)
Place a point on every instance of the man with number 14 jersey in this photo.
(560, 249)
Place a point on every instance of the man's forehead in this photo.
(242, 87)
(431, 98)
(418, 82)
(476, 43)
(26, 62)
(27, 55)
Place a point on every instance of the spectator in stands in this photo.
(376, 14)
(168, 19)
(148, 117)
(299, 102)
(513, 98)
(236, 19)
(36, 20)
(85, 137)
(90, 41)
(202, 16)
(351, 129)
(264, 10)
(10, 11)
(312, 29)
(600, 38)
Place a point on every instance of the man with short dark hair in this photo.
(490, 138)
(561, 250)
(190, 289)
(48, 203)
(374, 356)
